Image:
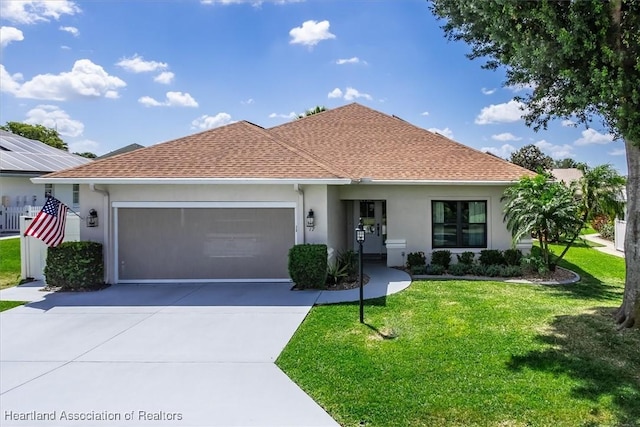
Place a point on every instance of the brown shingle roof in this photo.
(352, 141)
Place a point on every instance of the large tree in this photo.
(581, 60)
(38, 132)
(530, 157)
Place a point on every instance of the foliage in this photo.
(541, 207)
(7, 305)
(491, 257)
(311, 112)
(75, 266)
(37, 132)
(599, 221)
(512, 256)
(478, 270)
(530, 157)
(566, 163)
(441, 257)
(416, 258)
(580, 60)
(435, 269)
(349, 260)
(493, 270)
(510, 271)
(336, 272)
(466, 257)
(418, 269)
(459, 269)
(9, 262)
(308, 265)
(608, 231)
(600, 192)
(534, 264)
(87, 154)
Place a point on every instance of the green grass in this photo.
(588, 230)
(462, 353)
(9, 262)
(6, 305)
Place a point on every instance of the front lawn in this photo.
(6, 305)
(462, 353)
(9, 262)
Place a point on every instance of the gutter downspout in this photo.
(107, 223)
(298, 189)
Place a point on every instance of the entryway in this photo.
(374, 218)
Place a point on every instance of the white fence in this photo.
(620, 231)
(10, 217)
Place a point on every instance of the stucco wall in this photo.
(21, 192)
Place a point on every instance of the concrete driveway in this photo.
(166, 355)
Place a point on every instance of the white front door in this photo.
(374, 218)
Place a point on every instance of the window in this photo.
(76, 195)
(48, 191)
(459, 224)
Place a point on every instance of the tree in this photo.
(530, 157)
(38, 132)
(87, 154)
(316, 110)
(581, 60)
(567, 163)
(542, 207)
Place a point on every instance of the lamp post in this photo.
(360, 236)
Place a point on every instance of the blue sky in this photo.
(110, 73)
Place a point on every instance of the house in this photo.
(22, 159)
(228, 203)
(567, 175)
(122, 150)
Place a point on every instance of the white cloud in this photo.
(501, 113)
(444, 132)
(425, 113)
(252, 2)
(166, 77)
(207, 122)
(504, 151)
(33, 11)
(568, 123)
(248, 102)
(137, 64)
(65, 47)
(10, 34)
(291, 115)
(592, 136)
(506, 136)
(311, 33)
(112, 94)
(354, 60)
(488, 91)
(83, 146)
(53, 117)
(618, 152)
(352, 94)
(71, 30)
(9, 83)
(173, 99)
(85, 79)
(521, 87)
(555, 151)
(336, 93)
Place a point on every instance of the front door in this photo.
(374, 218)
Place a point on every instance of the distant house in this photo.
(125, 149)
(22, 159)
(567, 175)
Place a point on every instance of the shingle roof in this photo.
(24, 155)
(352, 142)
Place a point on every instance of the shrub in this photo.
(607, 231)
(308, 265)
(418, 269)
(599, 221)
(336, 272)
(512, 256)
(491, 257)
(511, 271)
(459, 269)
(75, 266)
(466, 257)
(493, 270)
(478, 270)
(534, 264)
(435, 269)
(348, 259)
(442, 258)
(415, 259)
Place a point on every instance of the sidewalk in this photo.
(607, 246)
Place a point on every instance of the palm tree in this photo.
(541, 207)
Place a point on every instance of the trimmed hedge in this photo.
(308, 265)
(75, 266)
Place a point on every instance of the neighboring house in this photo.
(228, 203)
(22, 159)
(125, 149)
(567, 175)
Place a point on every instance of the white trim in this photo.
(170, 281)
(205, 205)
(431, 182)
(191, 181)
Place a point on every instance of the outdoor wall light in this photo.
(311, 221)
(92, 218)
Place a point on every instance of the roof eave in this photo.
(190, 181)
(366, 181)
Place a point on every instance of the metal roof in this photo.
(19, 154)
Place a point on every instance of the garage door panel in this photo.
(204, 243)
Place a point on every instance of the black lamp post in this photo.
(360, 236)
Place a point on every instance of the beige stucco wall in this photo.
(21, 191)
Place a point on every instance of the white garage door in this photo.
(200, 244)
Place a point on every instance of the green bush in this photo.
(75, 266)
(418, 269)
(494, 270)
(513, 256)
(435, 269)
(608, 231)
(349, 260)
(491, 257)
(466, 257)
(415, 259)
(308, 265)
(336, 273)
(511, 271)
(478, 270)
(534, 264)
(459, 269)
(442, 258)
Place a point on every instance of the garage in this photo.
(201, 244)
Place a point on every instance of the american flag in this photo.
(48, 225)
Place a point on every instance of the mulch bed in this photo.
(350, 283)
